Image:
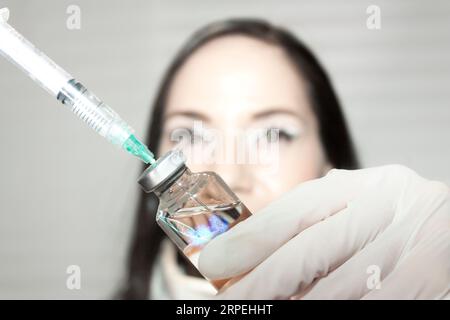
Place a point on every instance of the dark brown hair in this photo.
(334, 134)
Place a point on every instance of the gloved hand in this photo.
(330, 238)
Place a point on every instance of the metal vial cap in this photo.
(162, 170)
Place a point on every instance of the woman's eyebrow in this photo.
(275, 111)
(188, 114)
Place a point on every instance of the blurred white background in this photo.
(68, 197)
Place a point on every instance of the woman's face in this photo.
(235, 95)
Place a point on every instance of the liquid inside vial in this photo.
(192, 228)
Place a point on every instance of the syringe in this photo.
(98, 115)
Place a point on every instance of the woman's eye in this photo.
(288, 136)
(195, 137)
(185, 136)
(277, 134)
(272, 134)
(191, 136)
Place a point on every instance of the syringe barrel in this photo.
(59, 83)
(98, 115)
(19, 51)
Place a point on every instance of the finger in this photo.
(253, 240)
(423, 274)
(424, 270)
(314, 252)
(429, 215)
(363, 271)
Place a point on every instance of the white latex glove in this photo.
(326, 238)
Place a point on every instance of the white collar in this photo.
(169, 281)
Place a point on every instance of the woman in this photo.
(238, 74)
(246, 75)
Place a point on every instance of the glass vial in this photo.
(193, 207)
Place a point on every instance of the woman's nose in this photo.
(237, 176)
